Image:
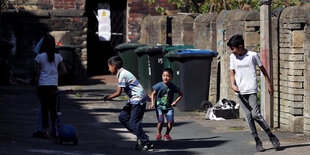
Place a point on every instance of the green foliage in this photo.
(254, 4)
(4, 3)
(237, 128)
(159, 9)
(178, 3)
(204, 6)
(150, 1)
(77, 95)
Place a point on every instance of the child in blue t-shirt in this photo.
(162, 95)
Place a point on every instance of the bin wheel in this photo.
(75, 141)
(205, 105)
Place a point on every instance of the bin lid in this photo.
(125, 46)
(191, 53)
(155, 49)
(149, 50)
(198, 51)
(141, 50)
(170, 48)
(66, 46)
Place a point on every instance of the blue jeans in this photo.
(48, 101)
(169, 114)
(39, 122)
(131, 117)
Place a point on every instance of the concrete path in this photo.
(100, 133)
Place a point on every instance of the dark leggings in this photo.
(48, 101)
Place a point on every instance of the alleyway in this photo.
(101, 133)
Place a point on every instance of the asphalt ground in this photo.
(100, 133)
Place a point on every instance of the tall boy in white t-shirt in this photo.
(244, 82)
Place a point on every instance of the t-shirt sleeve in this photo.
(156, 87)
(257, 59)
(122, 81)
(36, 50)
(174, 88)
(59, 57)
(37, 58)
(232, 62)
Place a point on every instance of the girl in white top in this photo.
(47, 79)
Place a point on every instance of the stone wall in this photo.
(154, 30)
(137, 10)
(306, 111)
(228, 24)
(182, 29)
(204, 37)
(25, 25)
(291, 60)
(291, 86)
(208, 32)
(48, 4)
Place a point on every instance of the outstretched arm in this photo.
(270, 87)
(232, 81)
(178, 99)
(152, 100)
(117, 93)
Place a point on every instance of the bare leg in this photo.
(169, 127)
(159, 127)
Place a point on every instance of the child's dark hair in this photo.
(169, 70)
(48, 46)
(236, 41)
(117, 61)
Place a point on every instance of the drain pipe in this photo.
(277, 13)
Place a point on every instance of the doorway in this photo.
(98, 52)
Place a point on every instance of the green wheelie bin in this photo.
(143, 68)
(68, 54)
(151, 63)
(130, 58)
(150, 60)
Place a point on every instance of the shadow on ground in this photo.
(19, 105)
